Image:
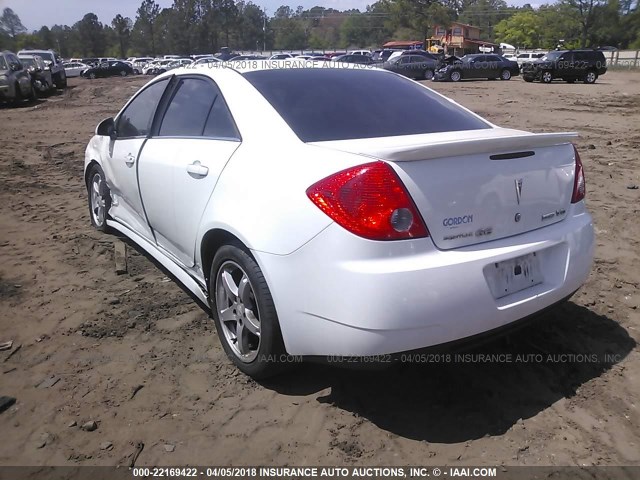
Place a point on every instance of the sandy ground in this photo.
(90, 338)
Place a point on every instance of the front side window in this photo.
(136, 119)
(3, 63)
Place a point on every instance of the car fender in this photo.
(272, 216)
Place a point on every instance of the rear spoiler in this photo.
(410, 148)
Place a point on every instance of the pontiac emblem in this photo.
(518, 189)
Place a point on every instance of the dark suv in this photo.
(568, 65)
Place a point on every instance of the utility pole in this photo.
(264, 31)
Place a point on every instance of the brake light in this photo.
(579, 185)
(370, 201)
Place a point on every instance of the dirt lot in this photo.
(90, 338)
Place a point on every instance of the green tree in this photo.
(485, 14)
(91, 36)
(585, 11)
(251, 26)
(10, 25)
(522, 30)
(122, 29)
(144, 28)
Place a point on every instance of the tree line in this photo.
(203, 26)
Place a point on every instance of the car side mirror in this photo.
(107, 128)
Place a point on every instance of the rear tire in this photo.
(505, 75)
(591, 77)
(428, 74)
(123, 73)
(244, 313)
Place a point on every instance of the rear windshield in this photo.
(340, 104)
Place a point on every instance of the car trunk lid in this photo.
(481, 185)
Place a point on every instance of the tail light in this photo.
(370, 201)
(579, 185)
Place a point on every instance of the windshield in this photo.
(3, 63)
(28, 62)
(552, 55)
(338, 110)
(46, 56)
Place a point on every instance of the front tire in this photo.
(455, 76)
(99, 198)
(18, 98)
(547, 77)
(244, 313)
(62, 83)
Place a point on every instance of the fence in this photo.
(623, 59)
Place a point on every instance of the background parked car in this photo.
(523, 58)
(249, 57)
(15, 81)
(153, 68)
(41, 78)
(357, 59)
(75, 69)
(412, 66)
(280, 56)
(424, 53)
(568, 65)
(108, 69)
(54, 62)
(206, 61)
(477, 66)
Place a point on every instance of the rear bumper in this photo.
(343, 295)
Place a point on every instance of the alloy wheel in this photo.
(98, 202)
(238, 311)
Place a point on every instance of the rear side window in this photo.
(328, 104)
(135, 120)
(197, 109)
(189, 108)
(220, 124)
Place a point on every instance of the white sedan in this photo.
(75, 69)
(328, 224)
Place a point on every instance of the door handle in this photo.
(129, 159)
(196, 168)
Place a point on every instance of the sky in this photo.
(36, 13)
